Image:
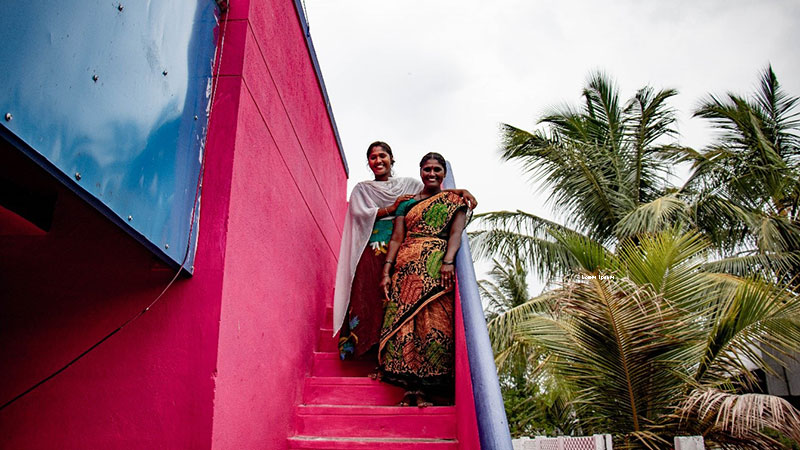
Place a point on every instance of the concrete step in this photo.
(328, 364)
(320, 443)
(409, 422)
(326, 342)
(350, 391)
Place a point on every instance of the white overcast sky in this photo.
(441, 76)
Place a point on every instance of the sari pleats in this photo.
(417, 339)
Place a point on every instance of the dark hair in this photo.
(435, 156)
(382, 145)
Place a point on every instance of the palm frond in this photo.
(543, 257)
(759, 141)
(669, 263)
(508, 289)
(503, 329)
(779, 110)
(758, 315)
(764, 265)
(518, 221)
(493, 298)
(724, 222)
(604, 347)
(654, 216)
(649, 120)
(580, 179)
(591, 256)
(519, 235)
(741, 416)
(650, 116)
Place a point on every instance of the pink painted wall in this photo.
(150, 385)
(219, 361)
(288, 184)
(466, 420)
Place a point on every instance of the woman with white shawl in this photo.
(358, 299)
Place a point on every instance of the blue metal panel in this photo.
(112, 98)
(489, 408)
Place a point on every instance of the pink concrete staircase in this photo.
(343, 408)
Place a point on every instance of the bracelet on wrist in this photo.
(447, 263)
(391, 263)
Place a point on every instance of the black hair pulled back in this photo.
(436, 157)
(382, 145)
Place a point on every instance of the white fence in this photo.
(689, 443)
(596, 442)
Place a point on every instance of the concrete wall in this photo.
(219, 361)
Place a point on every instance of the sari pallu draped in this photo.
(361, 255)
(417, 337)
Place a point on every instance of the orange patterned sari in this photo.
(417, 337)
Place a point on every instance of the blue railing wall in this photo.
(489, 408)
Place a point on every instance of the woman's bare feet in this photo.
(408, 397)
(422, 400)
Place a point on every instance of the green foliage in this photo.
(532, 410)
(665, 297)
(649, 346)
(605, 166)
(508, 289)
(534, 403)
(601, 161)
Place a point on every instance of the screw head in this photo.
(78, 176)
(195, 117)
(130, 218)
(9, 117)
(120, 7)
(95, 78)
(166, 245)
(164, 73)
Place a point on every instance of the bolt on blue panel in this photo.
(113, 99)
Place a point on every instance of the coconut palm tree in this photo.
(606, 169)
(646, 336)
(745, 186)
(650, 346)
(601, 163)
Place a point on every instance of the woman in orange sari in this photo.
(417, 340)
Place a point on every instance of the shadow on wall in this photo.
(67, 281)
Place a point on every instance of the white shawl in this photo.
(365, 200)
